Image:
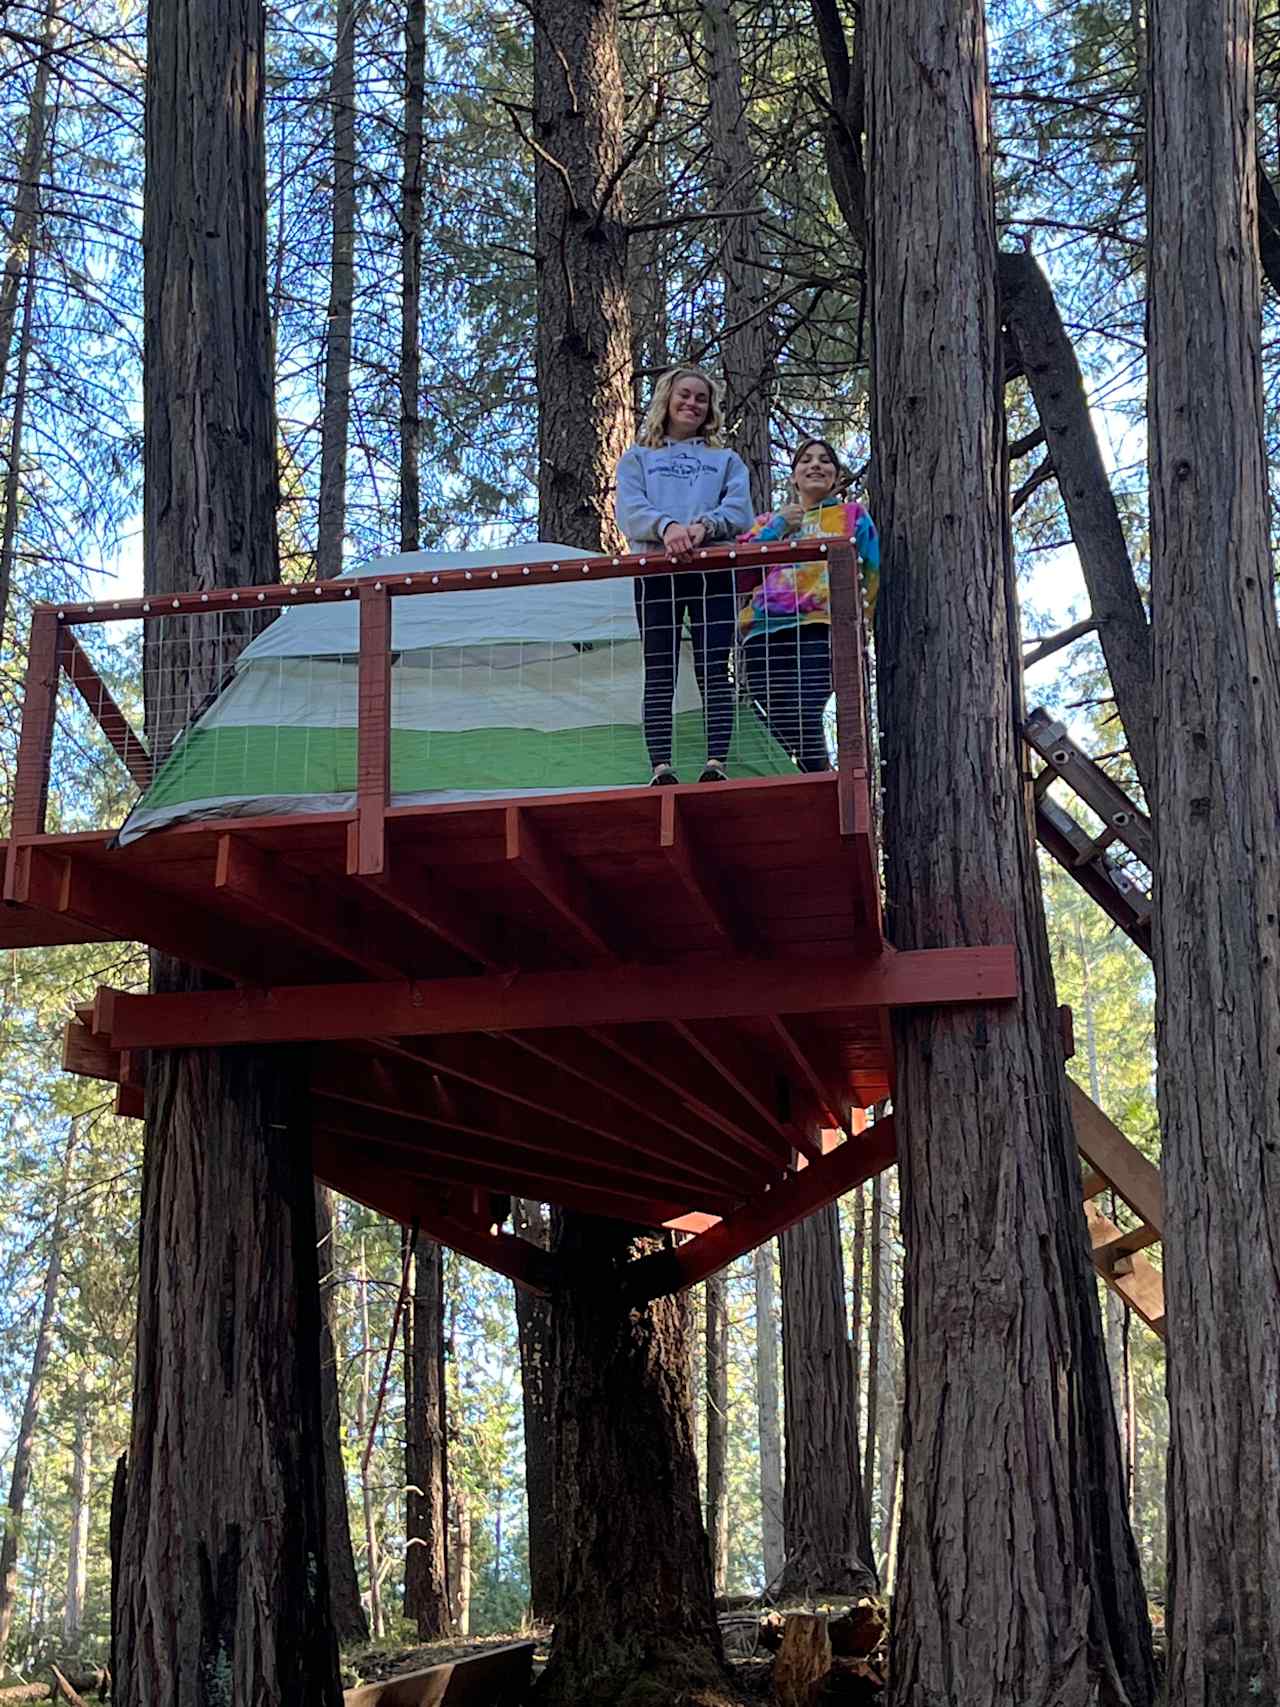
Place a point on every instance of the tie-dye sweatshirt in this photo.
(793, 594)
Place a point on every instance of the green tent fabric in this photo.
(510, 691)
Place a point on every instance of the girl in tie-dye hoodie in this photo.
(785, 627)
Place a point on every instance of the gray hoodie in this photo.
(682, 481)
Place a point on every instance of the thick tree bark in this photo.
(1011, 1454)
(827, 1535)
(1217, 937)
(636, 1622)
(745, 347)
(78, 1528)
(873, 1349)
(718, 1430)
(584, 317)
(335, 415)
(349, 1621)
(537, 1384)
(1047, 358)
(20, 1476)
(426, 1583)
(415, 58)
(772, 1543)
(223, 1584)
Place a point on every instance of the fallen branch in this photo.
(63, 1688)
(57, 1690)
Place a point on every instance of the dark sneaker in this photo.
(713, 773)
(663, 777)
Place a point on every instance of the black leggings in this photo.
(789, 674)
(711, 604)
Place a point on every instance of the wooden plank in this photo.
(309, 910)
(733, 930)
(35, 744)
(367, 845)
(810, 1059)
(723, 989)
(498, 1678)
(95, 693)
(406, 1200)
(847, 652)
(567, 892)
(426, 899)
(89, 1056)
(1137, 1280)
(1113, 890)
(767, 1215)
(275, 594)
(131, 1102)
(1122, 1165)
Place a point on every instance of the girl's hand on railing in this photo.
(679, 540)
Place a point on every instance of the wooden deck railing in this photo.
(54, 649)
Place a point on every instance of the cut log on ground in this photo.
(80, 1684)
(858, 1632)
(803, 1659)
(498, 1678)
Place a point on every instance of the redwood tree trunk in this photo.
(349, 1621)
(1017, 1576)
(636, 1623)
(827, 1536)
(718, 1430)
(223, 1584)
(336, 408)
(584, 314)
(426, 1585)
(78, 1537)
(1217, 937)
(772, 1543)
(537, 1385)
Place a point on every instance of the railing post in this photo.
(366, 849)
(35, 747)
(846, 677)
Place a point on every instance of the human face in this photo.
(815, 475)
(689, 407)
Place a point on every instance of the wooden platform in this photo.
(665, 1005)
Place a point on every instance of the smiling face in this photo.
(689, 407)
(815, 473)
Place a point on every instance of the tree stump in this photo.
(803, 1659)
(859, 1631)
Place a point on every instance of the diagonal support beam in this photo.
(107, 714)
(726, 989)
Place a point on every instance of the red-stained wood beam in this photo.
(805, 1054)
(724, 989)
(408, 1086)
(734, 932)
(852, 1163)
(302, 906)
(531, 853)
(407, 1200)
(89, 1056)
(366, 846)
(131, 1102)
(129, 746)
(399, 1145)
(1119, 1161)
(114, 905)
(753, 1081)
(35, 744)
(427, 900)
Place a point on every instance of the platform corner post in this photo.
(373, 733)
(35, 743)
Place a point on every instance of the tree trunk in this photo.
(855, 1293)
(26, 199)
(636, 1621)
(1062, 404)
(873, 1350)
(415, 50)
(364, 1422)
(349, 1621)
(745, 349)
(13, 462)
(226, 1418)
(890, 1405)
(772, 1544)
(1217, 936)
(1011, 1450)
(463, 1601)
(537, 1384)
(336, 408)
(584, 320)
(426, 1584)
(827, 1534)
(78, 1537)
(20, 1478)
(718, 1430)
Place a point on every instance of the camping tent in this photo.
(504, 691)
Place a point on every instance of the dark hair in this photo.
(843, 476)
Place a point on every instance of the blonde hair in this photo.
(653, 429)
